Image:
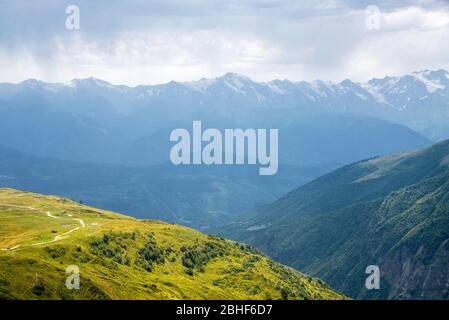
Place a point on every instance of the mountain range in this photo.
(390, 211)
(113, 145)
(91, 120)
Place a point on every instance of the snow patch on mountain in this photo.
(235, 82)
(275, 88)
(70, 84)
(201, 85)
(319, 87)
(89, 83)
(431, 85)
(361, 96)
(375, 93)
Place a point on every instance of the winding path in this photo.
(57, 238)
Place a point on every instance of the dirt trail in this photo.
(48, 213)
(51, 216)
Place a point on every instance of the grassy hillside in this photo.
(390, 211)
(120, 257)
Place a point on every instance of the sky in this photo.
(147, 42)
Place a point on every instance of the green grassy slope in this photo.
(391, 211)
(120, 257)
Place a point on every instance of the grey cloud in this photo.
(314, 37)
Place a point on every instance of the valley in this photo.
(389, 211)
(199, 197)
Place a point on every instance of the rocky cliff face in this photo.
(411, 277)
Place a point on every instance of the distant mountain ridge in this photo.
(90, 120)
(380, 90)
(419, 100)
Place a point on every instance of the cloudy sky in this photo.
(145, 42)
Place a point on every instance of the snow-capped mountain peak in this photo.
(89, 82)
(233, 81)
(433, 80)
(415, 99)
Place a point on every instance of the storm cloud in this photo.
(144, 42)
